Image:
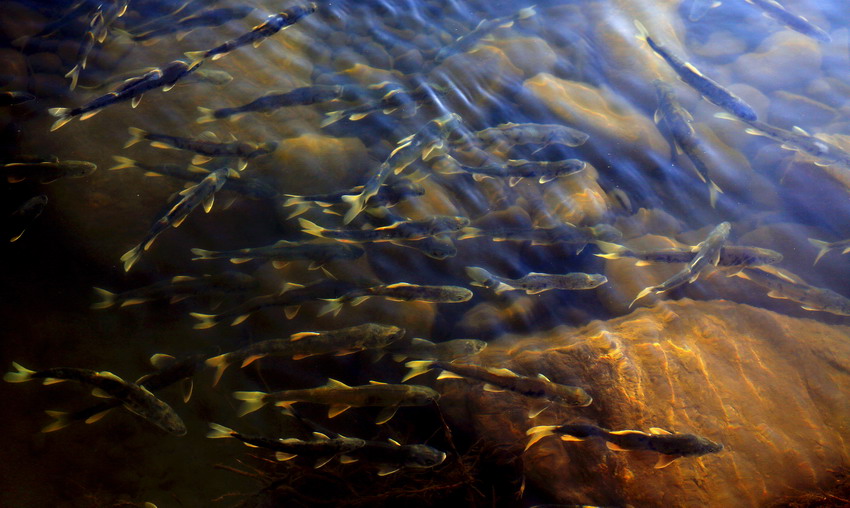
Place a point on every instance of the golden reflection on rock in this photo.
(313, 163)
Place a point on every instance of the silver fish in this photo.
(534, 283)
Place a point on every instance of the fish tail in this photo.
(823, 246)
(219, 431)
(195, 57)
(136, 135)
(610, 250)
(74, 74)
(300, 207)
(333, 305)
(220, 363)
(251, 401)
(331, 118)
(22, 375)
(642, 32)
(207, 115)
(123, 163)
(203, 254)
(311, 228)
(62, 117)
(526, 13)
(713, 191)
(643, 293)
(479, 276)
(107, 299)
(131, 256)
(538, 433)
(358, 204)
(417, 367)
(205, 320)
(62, 420)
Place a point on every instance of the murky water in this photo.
(524, 140)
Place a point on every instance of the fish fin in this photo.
(187, 386)
(665, 460)
(387, 470)
(538, 433)
(777, 295)
(386, 415)
(331, 118)
(611, 446)
(74, 74)
(334, 305)
(278, 264)
(251, 401)
(535, 409)
(643, 293)
(123, 163)
(23, 374)
(240, 319)
(487, 386)
(52, 381)
(133, 301)
(311, 228)
(357, 202)
(161, 361)
(238, 261)
(544, 378)
(219, 431)
(136, 135)
(197, 160)
(569, 437)
(290, 311)
(345, 459)
(62, 420)
(659, 431)
(301, 335)
(107, 299)
(321, 461)
(301, 356)
(713, 191)
(514, 180)
(134, 102)
(97, 392)
(86, 116)
(195, 56)
(823, 246)
(62, 120)
(208, 203)
(97, 416)
(642, 33)
(220, 363)
(417, 367)
(333, 383)
(205, 320)
(283, 456)
(337, 410)
(207, 115)
(448, 375)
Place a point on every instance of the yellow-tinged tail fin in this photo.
(207, 115)
(219, 431)
(538, 433)
(220, 363)
(205, 320)
(823, 246)
(107, 299)
(22, 375)
(131, 256)
(417, 367)
(251, 401)
(311, 228)
(61, 418)
(136, 135)
(123, 163)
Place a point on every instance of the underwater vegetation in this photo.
(396, 253)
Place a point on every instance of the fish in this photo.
(131, 90)
(21, 218)
(399, 292)
(12, 98)
(708, 88)
(199, 75)
(321, 447)
(170, 371)
(495, 379)
(190, 198)
(178, 288)
(273, 24)
(467, 41)
(46, 171)
(446, 351)
(402, 230)
(511, 134)
(208, 18)
(517, 169)
(825, 247)
(668, 445)
(700, 8)
(393, 97)
(534, 283)
(85, 49)
(206, 148)
(678, 121)
(341, 397)
(730, 255)
(435, 247)
(706, 253)
(393, 456)
(282, 252)
(564, 233)
(775, 10)
(301, 345)
(388, 195)
(783, 286)
(253, 188)
(303, 96)
(136, 399)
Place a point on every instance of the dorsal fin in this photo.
(659, 431)
(333, 383)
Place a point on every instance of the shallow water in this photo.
(574, 64)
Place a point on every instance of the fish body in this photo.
(392, 97)
(15, 98)
(179, 288)
(668, 445)
(534, 283)
(190, 199)
(46, 171)
(435, 247)
(402, 230)
(206, 149)
(809, 297)
(485, 27)
(134, 398)
(400, 292)
(797, 23)
(447, 351)
(706, 87)
(566, 233)
(389, 194)
(21, 218)
(730, 255)
(208, 18)
(391, 457)
(512, 134)
(199, 75)
(303, 96)
(321, 448)
(283, 251)
(302, 345)
(516, 169)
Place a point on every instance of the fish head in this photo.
(348, 444)
(387, 335)
(606, 233)
(421, 456)
(767, 256)
(458, 294)
(468, 347)
(78, 169)
(422, 395)
(439, 249)
(595, 280)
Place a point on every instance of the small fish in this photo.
(15, 98)
(282, 252)
(190, 198)
(708, 88)
(730, 255)
(389, 194)
(341, 397)
(399, 292)
(393, 456)
(669, 446)
(435, 247)
(827, 246)
(21, 218)
(251, 187)
(511, 134)
(700, 8)
(535, 283)
(775, 10)
(517, 169)
(205, 148)
(565, 233)
(179, 288)
(322, 447)
(274, 24)
(447, 351)
(341, 342)
(46, 171)
(212, 76)
(392, 97)
(208, 18)
(170, 371)
(678, 121)
(136, 399)
(501, 379)
(812, 298)
(402, 230)
(303, 96)
(467, 41)
(705, 253)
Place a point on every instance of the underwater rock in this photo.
(532, 55)
(19, 20)
(767, 67)
(790, 109)
(769, 387)
(648, 221)
(331, 163)
(577, 199)
(721, 44)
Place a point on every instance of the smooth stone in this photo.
(766, 68)
(531, 55)
(787, 108)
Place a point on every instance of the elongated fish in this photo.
(501, 379)
(566, 233)
(343, 341)
(303, 96)
(775, 10)
(827, 246)
(792, 288)
(21, 218)
(399, 292)
(134, 398)
(678, 121)
(517, 169)
(46, 171)
(392, 97)
(389, 194)
(402, 230)
(203, 192)
(446, 351)
(435, 247)
(208, 18)
(485, 27)
(170, 371)
(282, 252)
(205, 148)
(730, 255)
(708, 88)
(534, 283)
(179, 288)
(274, 24)
(507, 135)
(669, 446)
(341, 397)
(199, 75)
(394, 456)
